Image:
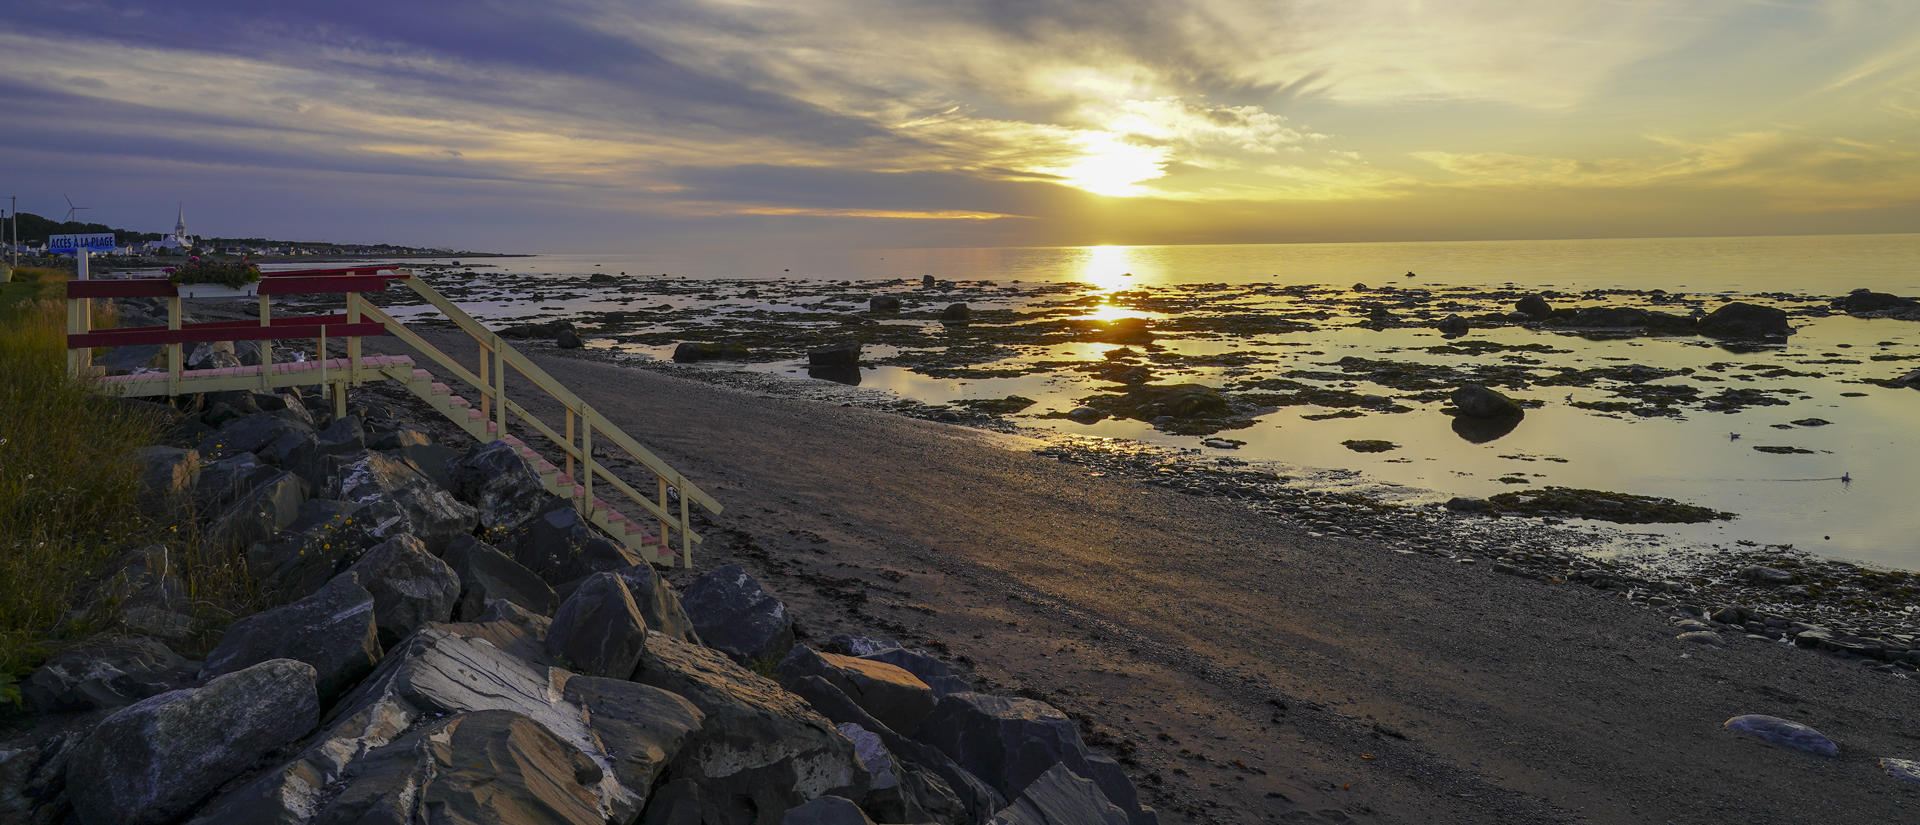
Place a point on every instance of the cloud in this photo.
(1792, 171)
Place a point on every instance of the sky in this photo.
(612, 126)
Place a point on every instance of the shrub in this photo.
(227, 273)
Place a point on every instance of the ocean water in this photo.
(1794, 499)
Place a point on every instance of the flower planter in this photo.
(217, 291)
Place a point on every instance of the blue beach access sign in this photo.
(97, 242)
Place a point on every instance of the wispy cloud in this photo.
(975, 112)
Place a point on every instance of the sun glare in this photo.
(1111, 167)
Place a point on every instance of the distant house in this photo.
(179, 241)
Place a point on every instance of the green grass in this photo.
(69, 501)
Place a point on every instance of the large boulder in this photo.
(1010, 742)
(307, 458)
(978, 801)
(1534, 306)
(428, 512)
(761, 749)
(1061, 797)
(892, 695)
(429, 459)
(1744, 320)
(251, 434)
(258, 514)
(221, 483)
(438, 672)
(332, 631)
(167, 475)
(897, 793)
(1608, 317)
(693, 351)
(104, 672)
(1475, 401)
(559, 545)
(487, 574)
(843, 354)
(154, 761)
(493, 766)
(643, 727)
(33, 780)
(939, 676)
(410, 586)
(826, 810)
(497, 482)
(736, 616)
(147, 595)
(956, 314)
(659, 604)
(1866, 300)
(123, 360)
(319, 544)
(1177, 400)
(597, 630)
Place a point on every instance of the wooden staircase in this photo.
(462, 412)
(669, 504)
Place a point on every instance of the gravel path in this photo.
(1244, 670)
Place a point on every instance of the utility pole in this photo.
(16, 230)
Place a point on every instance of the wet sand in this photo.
(1244, 670)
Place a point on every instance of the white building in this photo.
(179, 240)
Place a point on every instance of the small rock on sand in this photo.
(1784, 732)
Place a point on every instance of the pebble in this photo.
(1784, 732)
(1905, 770)
(1703, 637)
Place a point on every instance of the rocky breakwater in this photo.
(445, 641)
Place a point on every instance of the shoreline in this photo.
(1342, 503)
(1245, 667)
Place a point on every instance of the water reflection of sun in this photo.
(1110, 269)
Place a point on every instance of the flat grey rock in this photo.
(487, 574)
(492, 766)
(1060, 797)
(104, 672)
(892, 695)
(761, 749)
(826, 810)
(332, 631)
(1905, 770)
(1784, 732)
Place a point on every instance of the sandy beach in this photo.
(1244, 670)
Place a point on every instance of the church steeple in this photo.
(180, 225)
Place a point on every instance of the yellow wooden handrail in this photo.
(492, 389)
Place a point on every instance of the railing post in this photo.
(353, 341)
(569, 450)
(586, 458)
(500, 387)
(486, 379)
(173, 350)
(660, 544)
(266, 346)
(686, 530)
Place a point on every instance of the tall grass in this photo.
(68, 498)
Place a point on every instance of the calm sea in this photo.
(1795, 499)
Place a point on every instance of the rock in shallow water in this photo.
(1784, 732)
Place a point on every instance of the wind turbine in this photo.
(72, 209)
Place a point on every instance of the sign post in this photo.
(81, 246)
